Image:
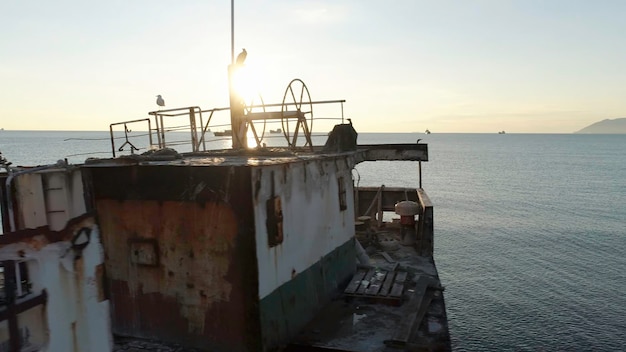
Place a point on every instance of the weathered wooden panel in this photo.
(425, 225)
(56, 199)
(31, 208)
(355, 282)
(368, 197)
(377, 284)
(39, 199)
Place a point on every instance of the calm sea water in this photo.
(530, 230)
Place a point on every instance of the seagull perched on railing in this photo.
(241, 57)
(160, 101)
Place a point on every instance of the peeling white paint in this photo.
(313, 224)
(49, 198)
(75, 317)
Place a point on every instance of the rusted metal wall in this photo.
(180, 254)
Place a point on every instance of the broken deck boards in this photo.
(378, 284)
(418, 305)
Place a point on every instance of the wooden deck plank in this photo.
(386, 287)
(376, 283)
(417, 305)
(397, 289)
(356, 282)
(387, 257)
(401, 277)
(365, 282)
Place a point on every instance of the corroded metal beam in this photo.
(31, 235)
(408, 152)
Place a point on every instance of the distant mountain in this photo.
(612, 126)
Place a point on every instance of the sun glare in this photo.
(246, 84)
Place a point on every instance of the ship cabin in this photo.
(231, 249)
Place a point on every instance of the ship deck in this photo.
(265, 156)
(368, 320)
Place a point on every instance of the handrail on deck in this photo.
(126, 131)
(198, 127)
(425, 224)
(164, 112)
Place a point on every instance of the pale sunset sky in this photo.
(524, 66)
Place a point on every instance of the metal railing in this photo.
(199, 124)
(126, 138)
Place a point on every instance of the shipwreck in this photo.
(249, 248)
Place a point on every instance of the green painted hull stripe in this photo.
(286, 310)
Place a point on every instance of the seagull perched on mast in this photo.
(160, 101)
(241, 57)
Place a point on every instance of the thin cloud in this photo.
(317, 13)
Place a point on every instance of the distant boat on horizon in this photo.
(278, 130)
(501, 132)
(223, 133)
(427, 131)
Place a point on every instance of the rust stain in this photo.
(41, 236)
(100, 283)
(203, 292)
(74, 337)
(195, 243)
(78, 269)
(157, 316)
(36, 239)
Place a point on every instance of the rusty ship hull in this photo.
(243, 249)
(217, 251)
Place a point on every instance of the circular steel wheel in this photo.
(255, 105)
(297, 111)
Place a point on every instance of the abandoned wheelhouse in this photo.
(248, 248)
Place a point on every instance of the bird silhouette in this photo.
(160, 101)
(241, 57)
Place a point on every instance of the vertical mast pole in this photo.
(237, 124)
(232, 32)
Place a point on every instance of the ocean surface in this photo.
(530, 229)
